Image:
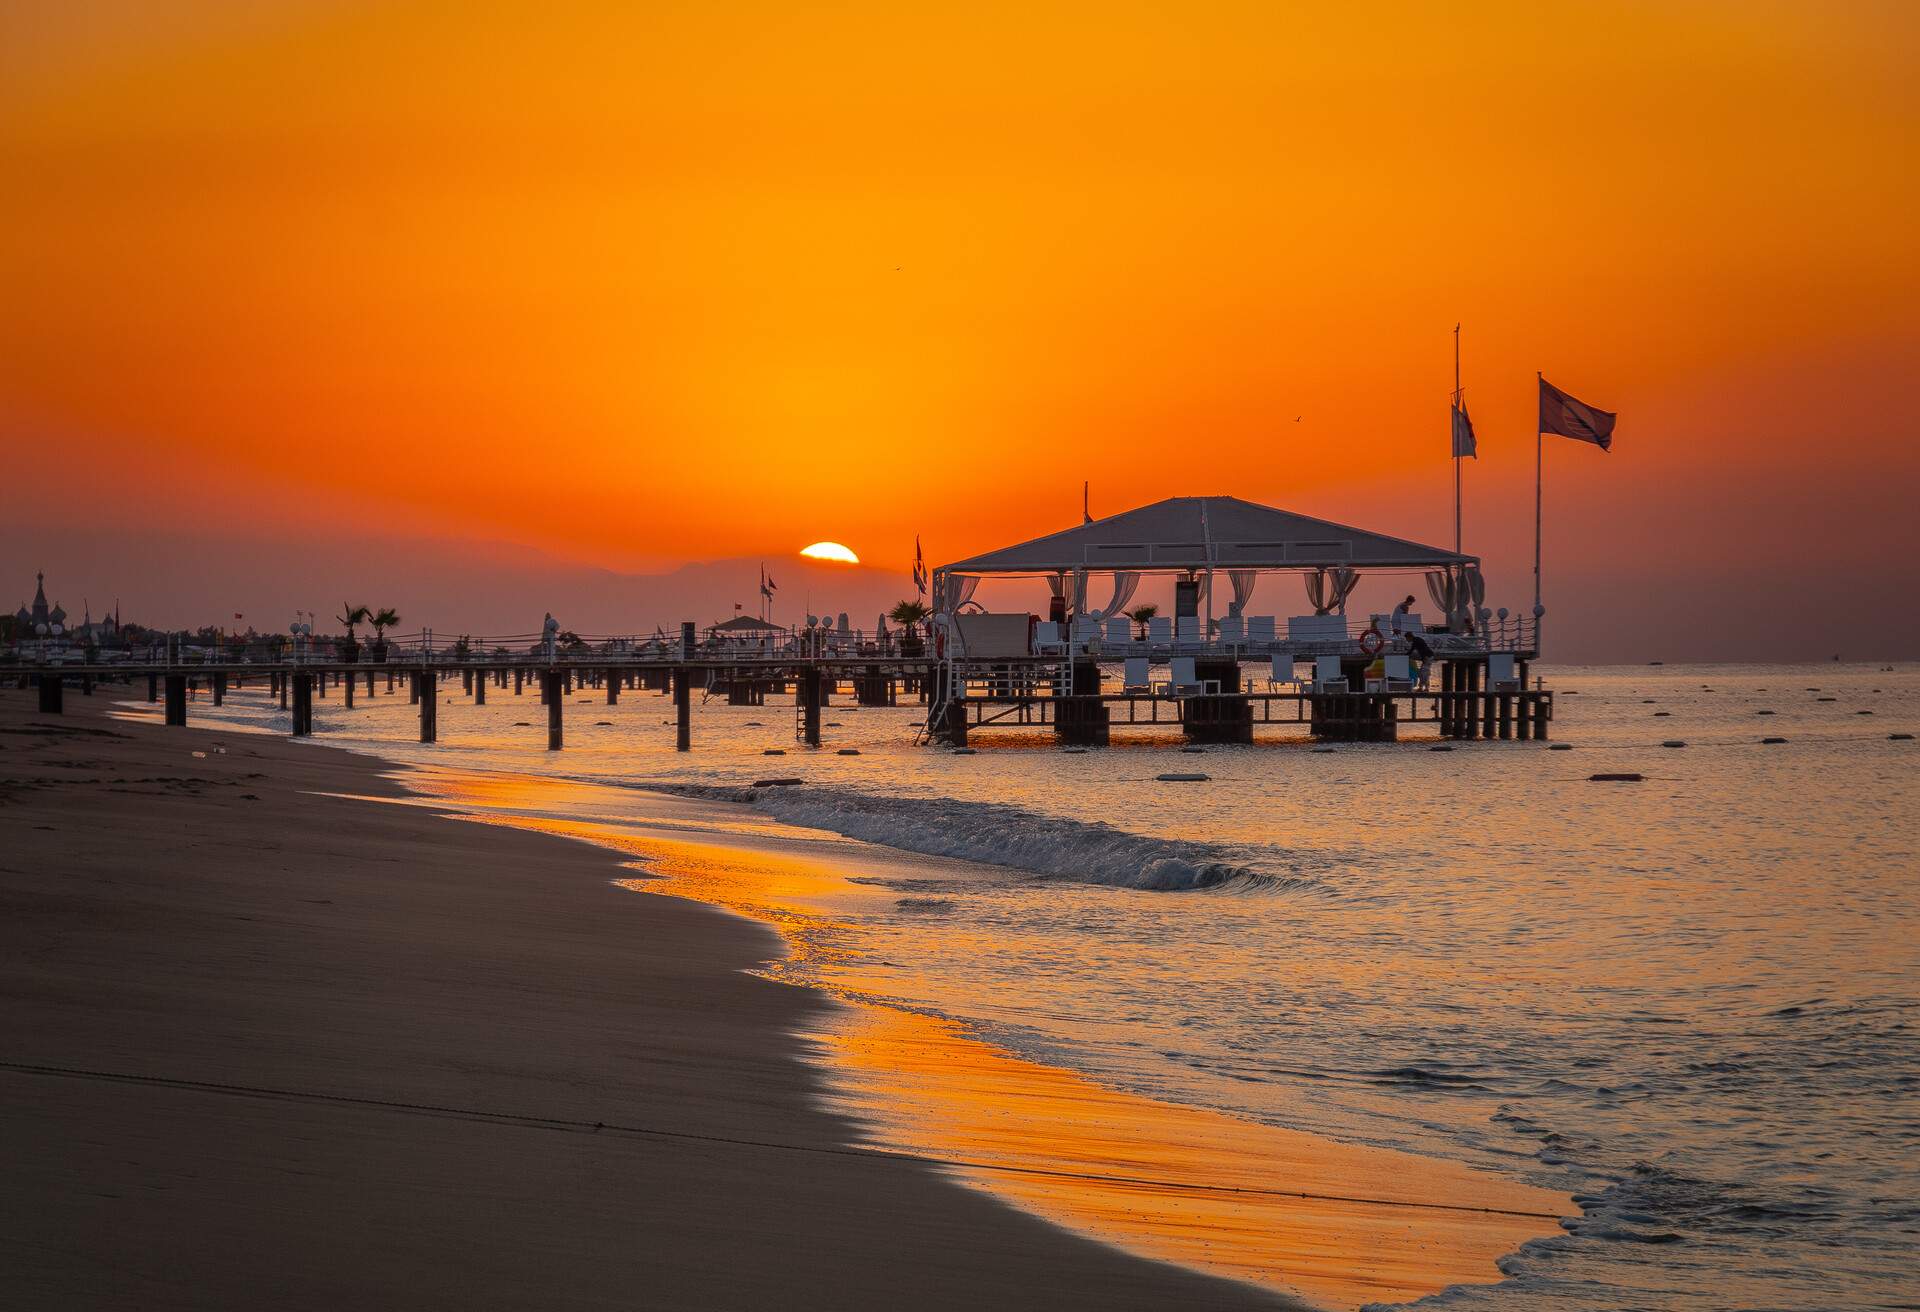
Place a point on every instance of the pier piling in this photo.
(556, 706)
(302, 703)
(176, 708)
(52, 694)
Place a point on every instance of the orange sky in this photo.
(640, 283)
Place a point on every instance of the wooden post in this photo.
(369, 684)
(176, 699)
(1542, 712)
(480, 678)
(153, 687)
(1524, 716)
(427, 693)
(683, 708)
(1506, 715)
(302, 684)
(346, 688)
(556, 704)
(320, 677)
(52, 693)
(807, 689)
(613, 687)
(220, 689)
(413, 688)
(1488, 702)
(283, 681)
(519, 675)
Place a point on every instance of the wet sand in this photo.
(266, 1044)
(1339, 1224)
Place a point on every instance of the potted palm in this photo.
(909, 615)
(1140, 615)
(352, 616)
(382, 620)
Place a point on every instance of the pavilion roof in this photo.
(1184, 533)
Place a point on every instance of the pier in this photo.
(1196, 675)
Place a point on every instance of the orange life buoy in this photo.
(1371, 641)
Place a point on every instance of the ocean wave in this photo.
(999, 834)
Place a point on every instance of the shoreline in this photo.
(1312, 1218)
(322, 1051)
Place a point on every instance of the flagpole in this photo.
(1454, 438)
(1539, 443)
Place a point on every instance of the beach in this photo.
(268, 1044)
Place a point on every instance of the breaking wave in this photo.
(998, 834)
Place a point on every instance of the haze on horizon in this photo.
(642, 285)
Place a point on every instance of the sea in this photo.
(1691, 1001)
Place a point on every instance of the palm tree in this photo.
(383, 619)
(1140, 615)
(908, 613)
(570, 640)
(350, 616)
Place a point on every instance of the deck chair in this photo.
(1399, 674)
(1281, 675)
(1233, 630)
(1119, 631)
(1139, 675)
(1160, 631)
(1046, 639)
(1500, 673)
(1085, 633)
(1260, 630)
(1189, 630)
(1327, 675)
(1182, 681)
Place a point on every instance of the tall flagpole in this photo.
(1538, 443)
(1454, 436)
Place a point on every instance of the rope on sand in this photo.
(827, 1150)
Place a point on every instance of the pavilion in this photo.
(1195, 538)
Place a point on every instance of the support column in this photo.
(427, 693)
(53, 691)
(807, 689)
(683, 709)
(346, 688)
(302, 703)
(283, 681)
(1227, 718)
(613, 687)
(153, 687)
(480, 678)
(556, 706)
(1081, 718)
(519, 677)
(176, 699)
(302, 688)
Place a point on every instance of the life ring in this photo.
(1371, 641)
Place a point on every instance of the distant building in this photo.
(43, 621)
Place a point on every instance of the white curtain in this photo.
(1125, 583)
(1079, 603)
(1344, 581)
(1441, 587)
(1328, 590)
(1243, 581)
(957, 592)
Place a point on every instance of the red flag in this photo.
(1562, 414)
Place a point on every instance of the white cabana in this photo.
(1196, 537)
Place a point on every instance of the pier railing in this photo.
(1353, 636)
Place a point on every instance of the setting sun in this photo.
(830, 551)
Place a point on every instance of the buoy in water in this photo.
(1770, 741)
(1181, 778)
(1323, 749)
(1673, 742)
(1657, 714)
(603, 724)
(848, 751)
(1763, 712)
(774, 751)
(1615, 778)
(1900, 737)
(1441, 747)
(1559, 747)
(777, 783)
(1196, 751)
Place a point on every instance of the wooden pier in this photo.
(1070, 696)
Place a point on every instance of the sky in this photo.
(638, 285)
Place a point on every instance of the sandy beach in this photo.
(269, 1045)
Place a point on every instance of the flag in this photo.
(919, 568)
(237, 615)
(1562, 414)
(767, 585)
(1463, 443)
